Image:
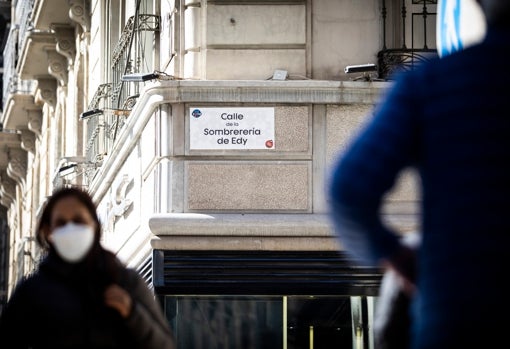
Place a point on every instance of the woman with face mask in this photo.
(81, 296)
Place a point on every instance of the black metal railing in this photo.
(129, 55)
(12, 84)
(113, 101)
(97, 140)
(403, 56)
(401, 59)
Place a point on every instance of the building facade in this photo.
(205, 130)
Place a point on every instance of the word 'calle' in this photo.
(234, 116)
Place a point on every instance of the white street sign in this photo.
(231, 128)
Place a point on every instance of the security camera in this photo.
(360, 68)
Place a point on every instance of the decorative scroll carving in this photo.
(57, 66)
(65, 42)
(79, 14)
(7, 189)
(17, 167)
(34, 117)
(47, 91)
(120, 202)
(28, 141)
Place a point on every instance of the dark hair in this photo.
(43, 227)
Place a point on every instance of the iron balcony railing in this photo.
(12, 84)
(24, 14)
(129, 55)
(407, 57)
(113, 101)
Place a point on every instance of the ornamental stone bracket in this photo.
(65, 42)
(47, 91)
(7, 189)
(57, 66)
(28, 140)
(34, 120)
(17, 167)
(8, 142)
(78, 13)
(120, 202)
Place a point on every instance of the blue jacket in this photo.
(450, 120)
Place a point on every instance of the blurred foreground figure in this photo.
(81, 296)
(450, 120)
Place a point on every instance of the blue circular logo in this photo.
(196, 113)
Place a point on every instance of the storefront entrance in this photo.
(266, 299)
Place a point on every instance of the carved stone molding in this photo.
(78, 13)
(7, 189)
(34, 117)
(120, 202)
(65, 42)
(17, 167)
(47, 91)
(57, 66)
(28, 141)
(8, 141)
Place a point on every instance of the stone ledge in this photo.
(269, 232)
(239, 243)
(246, 225)
(264, 232)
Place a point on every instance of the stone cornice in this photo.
(242, 232)
(291, 91)
(16, 110)
(33, 60)
(192, 224)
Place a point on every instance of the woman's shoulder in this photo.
(28, 284)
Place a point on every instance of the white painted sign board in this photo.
(231, 128)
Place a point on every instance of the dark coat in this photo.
(449, 120)
(61, 306)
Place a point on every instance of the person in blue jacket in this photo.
(81, 295)
(450, 120)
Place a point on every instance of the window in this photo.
(266, 299)
(270, 322)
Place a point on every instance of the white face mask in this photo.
(73, 241)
